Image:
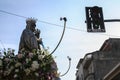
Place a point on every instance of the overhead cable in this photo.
(53, 23)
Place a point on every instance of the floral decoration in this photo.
(35, 65)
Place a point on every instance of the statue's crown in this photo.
(31, 20)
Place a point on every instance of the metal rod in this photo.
(112, 20)
(109, 20)
(64, 18)
(68, 67)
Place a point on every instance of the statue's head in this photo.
(31, 23)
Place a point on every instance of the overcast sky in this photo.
(76, 42)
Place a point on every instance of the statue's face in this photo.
(33, 27)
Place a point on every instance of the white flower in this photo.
(35, 65)
(40, 57)
(36, 74)
(30, 55)
(18, 64)
(16, 70)
(7, 59)
(20, 56)
(15, 76)
(27, 71)
(27, 60)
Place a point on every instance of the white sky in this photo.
(75, 43)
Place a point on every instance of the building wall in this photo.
(80, 74)
(90, 72)
(104, 62)
(101, 62)
(102, 67)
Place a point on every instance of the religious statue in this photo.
(33, 61)
(30, 36)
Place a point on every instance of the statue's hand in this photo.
(39, 40)
(37, 33)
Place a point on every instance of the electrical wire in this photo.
(52, 23)
(12, 14)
